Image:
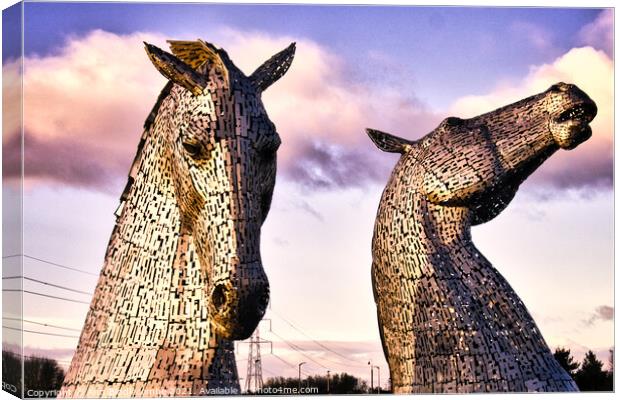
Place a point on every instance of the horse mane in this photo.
(195, 54)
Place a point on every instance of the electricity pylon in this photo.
(254, 377)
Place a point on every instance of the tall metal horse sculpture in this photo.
(183, 275)
(449, 321)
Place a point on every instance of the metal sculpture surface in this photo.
(183, 275)
(449, 322)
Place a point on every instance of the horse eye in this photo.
(193, 149)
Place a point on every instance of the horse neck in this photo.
(148, 226)
(446, 227)
(428, 277)
(410, 219)
(150, 245)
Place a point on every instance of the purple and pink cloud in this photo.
(84, 107)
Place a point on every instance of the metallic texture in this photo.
(449, 321)
(183, 275)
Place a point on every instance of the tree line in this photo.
(41, 374)
(589, 375)
(341, 383)
(44, 374)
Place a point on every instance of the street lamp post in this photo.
(378, 379)
(327, 381)
(299, 377)
(372, 388)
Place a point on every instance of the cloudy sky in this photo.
(89, 86)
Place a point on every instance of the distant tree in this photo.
(610, 371)
(11, 373)
(591, 377)
(342, 383)
(348, 384)
(40, 373)
(565, 360)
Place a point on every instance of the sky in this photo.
(88, 87)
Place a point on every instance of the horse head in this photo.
(479, 163)
(221, 147)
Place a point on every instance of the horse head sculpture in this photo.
(449, 321)
(222, 148)
(183, 274)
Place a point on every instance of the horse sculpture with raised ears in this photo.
(449, 321)
(183, 275)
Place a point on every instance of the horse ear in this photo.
(197, 53)
(194, 52)
(386, 142)
(176, 70)
(273, 69)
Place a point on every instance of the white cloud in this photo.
(601, 313)
(85, 105)
(11, 94)
(600, 32)
(11, 119)
(591, 70)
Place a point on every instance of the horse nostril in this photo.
(218, 297)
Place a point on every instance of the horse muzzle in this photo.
(570, 126)
(236, 310)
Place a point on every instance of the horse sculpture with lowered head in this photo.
(183, 275)
(449, 321)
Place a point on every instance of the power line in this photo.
(315, 341)
(49, 284)
(57, 286)
(340, 363)
(53, 263)
(291, 345)
(279, 358)
(41, 323)
(46, 295)
(270, 371)
(286, 362)
(283, 360)
(60, 265)
(299, 350)
(11, 256)
(39, 333)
